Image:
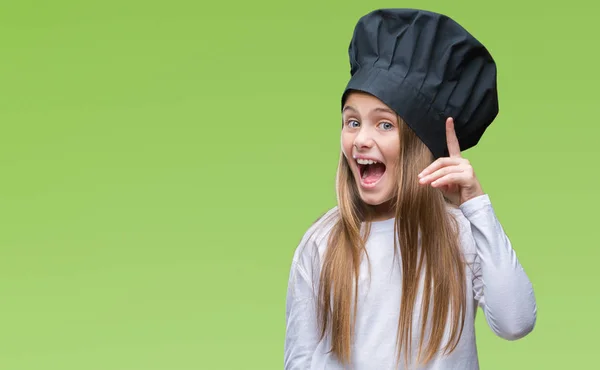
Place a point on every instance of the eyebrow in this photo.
(384, 110)
(347, 108)
(380, 109)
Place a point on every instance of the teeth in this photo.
(365, 161)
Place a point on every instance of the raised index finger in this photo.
(451, 139)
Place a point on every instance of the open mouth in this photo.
(370, 171)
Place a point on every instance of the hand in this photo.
(453, 175)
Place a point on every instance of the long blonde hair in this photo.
(420, 212)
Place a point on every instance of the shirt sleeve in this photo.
(501, 287)
(301, 337)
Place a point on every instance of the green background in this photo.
(161, 161)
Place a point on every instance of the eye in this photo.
(386, 126)
(352, 123)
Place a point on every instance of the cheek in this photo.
(392, 154)
(347, 143)
(391, 151)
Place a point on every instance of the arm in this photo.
(501, 286)
(301, 337)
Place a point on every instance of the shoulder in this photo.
(316, 236)
(309, 251)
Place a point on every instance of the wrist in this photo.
(468, 195)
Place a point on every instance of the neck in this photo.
(382, 212)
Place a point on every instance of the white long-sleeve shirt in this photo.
(495, 281)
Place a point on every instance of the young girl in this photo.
(392, 276)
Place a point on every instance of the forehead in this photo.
(363, 103)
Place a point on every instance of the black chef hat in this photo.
(426, 67)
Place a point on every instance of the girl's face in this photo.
(371, 145)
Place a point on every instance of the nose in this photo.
(364, 139)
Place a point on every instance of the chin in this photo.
(375, 198)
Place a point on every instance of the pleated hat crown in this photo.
(426, 67)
